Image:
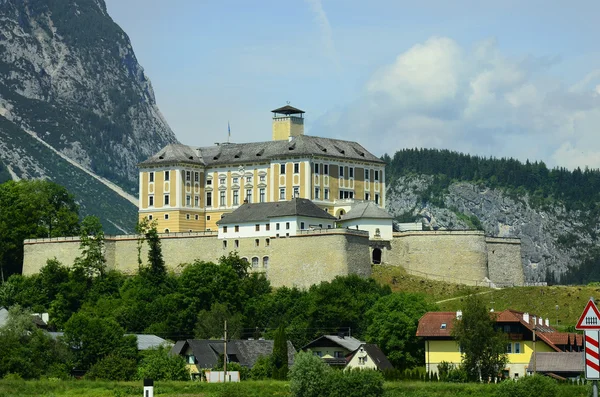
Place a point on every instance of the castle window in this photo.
(376, 198)
(236, 243)
(208, 217)
(267, 242)
(316, 168)
(262, 178)
(151, 176)
(341, 171)
(296, 168)
(317, 193)
(282, 193)
(236, 197)
(261, 193)
(236, 228)
(196, 177)
(249, 195)
(268, 227)
(326, 194)
(376, 175)
(209, 182)
(266, 262)
(150, 201)
(236, 180)
(351, 172)
(301, 225)
(187, 217)
(376, 256)
(167, 175)
(196, 217)
(196, 201)
(277, 226)
(282, 169)
(287, 225)
(224, 229)
(166, 217)
(366, 174)
(166, 230)
(325, 169)
(188, 200)
(224, 243)
(188, 176)
(166, 199)
(296, 191)
(248, 179)
(367, 196)
(209, 199)
(257, 227)
(150, 217)
(222, 202)
(222, 181)
(256, 242)
(255, 262)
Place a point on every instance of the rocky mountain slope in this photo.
(75, 102)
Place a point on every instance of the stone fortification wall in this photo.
(453, 256)
(303, 260)
(505, 266)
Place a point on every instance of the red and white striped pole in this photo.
(592, 358)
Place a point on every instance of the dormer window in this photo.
(443, 326)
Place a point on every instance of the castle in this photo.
(302, 209)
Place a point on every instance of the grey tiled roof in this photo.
(558, 362)
(349, 343)
(234, 153)
(261, 212)
(377, 356)
(366, 209)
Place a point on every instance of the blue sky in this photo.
(511, 78)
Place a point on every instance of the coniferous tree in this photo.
(280, 355)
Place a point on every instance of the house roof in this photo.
(146, 341)
(287, 109)
(376, 356)
(260, 212)
(246, 352)
(252, 152)
(431, 324)
(366, 209)
(347, 342)
(558, 362)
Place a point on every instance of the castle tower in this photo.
(287, 122)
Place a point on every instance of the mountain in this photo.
(75, 105)
(555, 212)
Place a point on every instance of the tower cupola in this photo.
(287, 122)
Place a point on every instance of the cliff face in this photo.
(553, 238)
(73, 97)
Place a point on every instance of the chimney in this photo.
(526, 317)
(288, 122)
(540, 321)
(459, 315)
(534, 320)
(547, 322)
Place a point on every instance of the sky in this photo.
(505, 78)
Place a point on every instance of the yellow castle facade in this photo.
(188, 189)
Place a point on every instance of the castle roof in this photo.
(252, 152)
(261, 212)
(366, 209)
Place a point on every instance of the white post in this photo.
(148, 388)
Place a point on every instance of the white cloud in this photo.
(326, 32)
(438, 94)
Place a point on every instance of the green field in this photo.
(81, 388)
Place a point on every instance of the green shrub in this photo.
(262, 369)
(308, 376)
(528, 386)
(113, 367)
(158, 364)
(355, 383)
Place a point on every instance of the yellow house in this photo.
(436, 329)
(185, 188)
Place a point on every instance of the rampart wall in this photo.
(505, 266)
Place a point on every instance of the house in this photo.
(203, 354)
(187, 188)
(333, 349)
(368, 356)
(366, 215)
(436, 330)
(559, 365)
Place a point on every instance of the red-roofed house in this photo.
(436, 329)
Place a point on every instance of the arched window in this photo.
(376, 256)
(245, 259)
(255, 262)
(266, 262)
(166, 230)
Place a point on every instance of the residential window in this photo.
(366, 174)
(376, 175)
(166, 217)
(196, 177)
(236, 243)
(316, 168)
(443, 326)
(341, 167)
(166, 199)
(266, 260)
(249, 195)
(287, 225)
(196, 201)
(509, 348)
(326, 194)
(296, 168)
(277, 226)
(338, 354)
(224, 229)
(261, 193)
(224, 243)
(267, 242)
(268, 227)
(282, 193)
(188, 200)
(367, 196)
(237, 228)
(151, 176)
(255, 262)
(188, 176)
(301, 225)
(167, 175)
(517, 347)
(150, 201)
(325, 169)
(209, 199)
(317, 190)
(282, 169)
(296, 191)
(376, 198)
(351, 172)
(257, 227)
(236, 197)
(256, 242)
(222, 202)
(361, 360)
